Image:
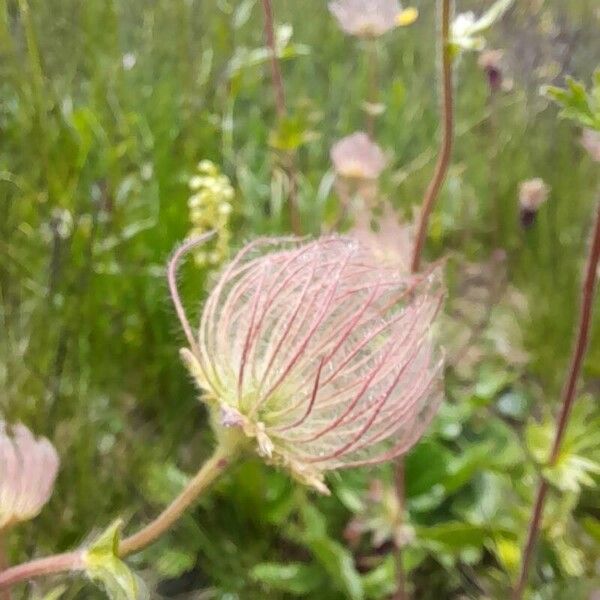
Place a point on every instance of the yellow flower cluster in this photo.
(210, 209)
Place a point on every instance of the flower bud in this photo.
(28, 468)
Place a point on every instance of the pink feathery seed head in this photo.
(318, 356)
(358, 157)
(366, 19)
(28, 468)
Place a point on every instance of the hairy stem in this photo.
(75, 561)
(445, 152)
(211, 469)
(51, 565)
(289, 159)
(568, 398)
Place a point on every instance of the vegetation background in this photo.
(107, 106)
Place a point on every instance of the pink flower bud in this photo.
(28, 468)
(532, 194)
(327, 357)
(369, 19)
(357, 157)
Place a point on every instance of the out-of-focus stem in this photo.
(289, 158)
(568, 398)
(276, 77)
(443, 161)
(4, 594)
(75, 561)
(373, 74)
(401, 593)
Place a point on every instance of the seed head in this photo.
(317, 356)
(371, 19)
(28, 468)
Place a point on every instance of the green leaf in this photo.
(294, 578)
(337, 561)
(454, 535)
(380, 582)
(105, 567)
(491, 16)
(173, 562)
(54, 594)
(466, 29)
(572, 472)
(339, 564)
(426, 465)
(578, 104)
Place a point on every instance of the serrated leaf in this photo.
(105, 567)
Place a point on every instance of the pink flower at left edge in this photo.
(28, 469)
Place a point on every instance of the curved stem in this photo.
(429, 200)
(568, 398)
(443, 161)
(50, 565)
(172, 268)
(211, 469)
(75, 561)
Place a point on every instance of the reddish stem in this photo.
(51, 565)
(443, 162)
(429, 200)
(4, 564)
(568, 398)
(276, 77)
(280, 104)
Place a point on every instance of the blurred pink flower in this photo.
(590, 140)
(357, 157)
(28, 468)
(371, 18)
(319, 355)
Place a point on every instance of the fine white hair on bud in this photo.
(320, 355)
(28, 468)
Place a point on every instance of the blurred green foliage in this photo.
(106, 107)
